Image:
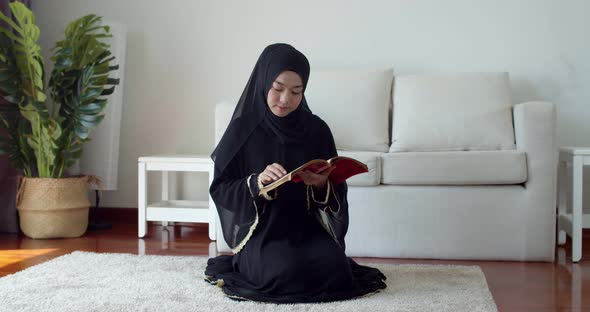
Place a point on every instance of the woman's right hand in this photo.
(272, 173)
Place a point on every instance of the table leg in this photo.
(212, 210)
(141, 247)
(561, 200)
(165, 190)
(212, 250)
(141, 199)
(577, 183)
(165, 186)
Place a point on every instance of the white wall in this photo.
(184, 56)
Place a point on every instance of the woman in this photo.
(288, 245)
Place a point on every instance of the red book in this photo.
(346, 167)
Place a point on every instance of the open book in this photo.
(346, 167)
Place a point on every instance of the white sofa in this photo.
(456, 170)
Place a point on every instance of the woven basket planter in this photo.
(53, 208)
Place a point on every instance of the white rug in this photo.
(83, 281)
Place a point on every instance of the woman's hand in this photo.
(272, 173)
(318, 180)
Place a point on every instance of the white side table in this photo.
(572, 224)
(174, 210)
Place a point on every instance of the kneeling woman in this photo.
(288, 245)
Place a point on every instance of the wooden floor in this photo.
(516, 286)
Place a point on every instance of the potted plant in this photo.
(43, 140)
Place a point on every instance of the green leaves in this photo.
(81, 46)
(26, 50)
(79, 80)
(13, 144)
(45, 146)
(37, 142)
(30, 72)
(10, 82)
(44, 137)
(21, 81)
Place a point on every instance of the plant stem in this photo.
(61, 168)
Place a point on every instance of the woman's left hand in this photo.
(318, 180)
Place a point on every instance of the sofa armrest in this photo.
(534, 129)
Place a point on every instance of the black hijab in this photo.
(252, 108)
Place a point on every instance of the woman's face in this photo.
(285, 93)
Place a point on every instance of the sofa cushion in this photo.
(455, 111)
(372, 160)
(454, 167)
(355, 104)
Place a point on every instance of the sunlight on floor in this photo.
(8, 257)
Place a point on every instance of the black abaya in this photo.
(290, 253)
(288, 247)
